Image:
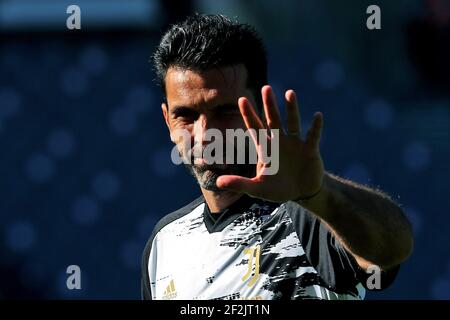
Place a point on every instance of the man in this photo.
(301, 233)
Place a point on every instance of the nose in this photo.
(200, 128)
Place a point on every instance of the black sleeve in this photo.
(145, 291)
(334, 263)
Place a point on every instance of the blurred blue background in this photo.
(85, 168)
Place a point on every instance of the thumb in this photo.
(237, 184)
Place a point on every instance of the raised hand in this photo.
(301, 171)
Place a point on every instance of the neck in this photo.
(218, 201)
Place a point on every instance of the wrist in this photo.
(317, 202)
(311, 196)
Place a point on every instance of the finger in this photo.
(251, 118)
(271, 110)
(237, 184)
(293, 114)
(314, 133)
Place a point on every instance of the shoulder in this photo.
(327, 254)
(176, 215)
(172, 217)
(299, 215)
(168, 219)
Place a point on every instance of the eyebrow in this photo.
(178, 109)
(222, 107)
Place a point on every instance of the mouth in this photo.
(197, 158)
(208, 163)
(211, 167)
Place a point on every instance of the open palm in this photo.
(300, 172)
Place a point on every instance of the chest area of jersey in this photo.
(246, 260)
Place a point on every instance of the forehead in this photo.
(189, 87)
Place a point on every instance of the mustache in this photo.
(198, 152)
(217, 169)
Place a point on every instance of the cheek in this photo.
(180, 133)
(178, 124)
(183, 142)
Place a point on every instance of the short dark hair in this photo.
(203, 42)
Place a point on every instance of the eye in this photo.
(185, 114)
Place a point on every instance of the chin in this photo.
(208, 181)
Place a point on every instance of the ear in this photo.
(165, 111)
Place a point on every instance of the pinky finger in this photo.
(315, 132)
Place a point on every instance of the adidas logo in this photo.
(170, 292)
